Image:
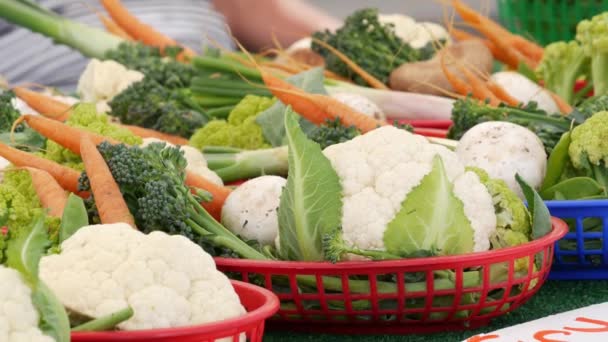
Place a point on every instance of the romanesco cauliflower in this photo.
(85, 116)
(240, 130)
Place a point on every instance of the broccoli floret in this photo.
(332, 132)
(372, 45)
(588, 149)
(593, 36)
(593, 105)
(8, 112)
(240, 130)
(149, 104)
(85, 116)
(563, 63)
(467, 113)
(151, 180)
(148, 60)
(512, 218)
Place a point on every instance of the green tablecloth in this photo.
(554, 297)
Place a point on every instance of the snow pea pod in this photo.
(573, 189)
(557, 162)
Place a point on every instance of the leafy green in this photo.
(23, 253)
(593, 105)
(539, 213)
(74, 217)
(311, 203)
(370, 44)
(310, 81)
(431, 219)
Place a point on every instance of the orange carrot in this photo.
(150, 133)
(563, 106)
(348, 116)
(459, 85)
(139, 30)
(51, 195)
(43, 104)
(501, 93)
(219, 193)
(65, 176)
(502, 38)
(367, 77)
(288, 94)
(110, 204)
(478, 87)
(64, 135)
(113, 28)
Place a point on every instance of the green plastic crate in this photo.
(547, 21)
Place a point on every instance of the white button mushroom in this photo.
(504, 149)
(250, 211)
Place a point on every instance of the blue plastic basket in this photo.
(583, 252)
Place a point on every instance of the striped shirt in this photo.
(30, 57)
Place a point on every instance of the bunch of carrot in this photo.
(509, 48)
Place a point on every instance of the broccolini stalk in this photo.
(105, 323)
(90, 41)
(234, 164)
(593, 35)
(467, 113)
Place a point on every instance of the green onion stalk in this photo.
(234, 164)
(90, 41)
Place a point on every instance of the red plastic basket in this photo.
(259, 303)
(382, 297)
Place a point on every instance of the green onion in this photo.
(105, 323)
(215, 101)
(219, 64)
(91, 42)
(220, 112)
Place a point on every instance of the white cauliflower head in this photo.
(195, 159)
(18, 317)
(169, 281)
(504, 149)
(251, 209)
(102, 80)
(378, 170)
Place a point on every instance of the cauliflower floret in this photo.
(251, 209)
(165, 279)
(377, 171)
(18, 316)
(102, 80)
(195, 159)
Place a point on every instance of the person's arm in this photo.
(254, 22)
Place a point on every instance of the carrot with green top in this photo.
(51, 195)
(43, 104)
(65, 176)
(141, 31)
(111, 206)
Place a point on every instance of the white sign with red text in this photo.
(589, 324)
